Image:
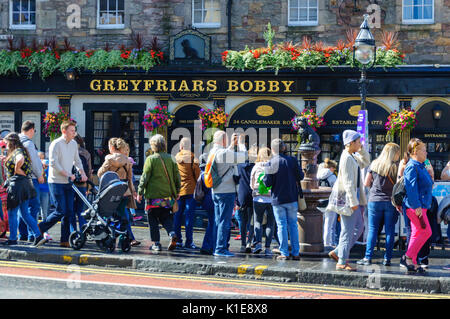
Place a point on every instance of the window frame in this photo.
(111, 26)
(205, 24)
(13, 26)
(115, 109)
(302, 23)
(418, 21)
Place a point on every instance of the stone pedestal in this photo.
(310, 221)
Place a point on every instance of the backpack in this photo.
(398, 192)
(199, 192)
(211, 175)
(262, 189)
(324, 182)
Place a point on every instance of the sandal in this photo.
(345, 267)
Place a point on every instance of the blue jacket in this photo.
(283, 174)
(244, 198)
(418, 186)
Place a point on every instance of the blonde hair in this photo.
(385, 164)
(119, 144)
(264, 155)
(157, 143)
(329, 163)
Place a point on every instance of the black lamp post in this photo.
(364, 51)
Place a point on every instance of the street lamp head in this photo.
(70, 74)
(364, 48)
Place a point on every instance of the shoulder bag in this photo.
(175, 204)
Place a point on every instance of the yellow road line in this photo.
(286, 286)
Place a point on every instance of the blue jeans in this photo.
(186, 206)
(45, 198)
(62, 196)
(223, 210)
(209, 240)
(23, 212)
(78, 208)
(286, 218)
(376, 212)
(260, 209)
(34, 209)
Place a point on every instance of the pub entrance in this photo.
(264, 119)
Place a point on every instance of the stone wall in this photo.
(422, 44)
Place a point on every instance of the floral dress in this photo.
(10, 164)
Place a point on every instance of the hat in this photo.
(3, 133)
(2, 144)
(349, 136)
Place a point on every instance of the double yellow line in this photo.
(355, 292)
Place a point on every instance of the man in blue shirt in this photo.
(284, 175)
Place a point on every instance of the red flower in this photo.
(256, 54)
(224, 55)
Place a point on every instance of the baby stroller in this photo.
(104, 225)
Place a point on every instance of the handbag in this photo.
(301, 203)
(175, 204)
(337, 203)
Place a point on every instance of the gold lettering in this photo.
(232, 86)
(96, 85)
(287, 86)
(260, 86)
(135, 84)
(161, 85)
(250, 86)
(211, 86)
(274, 86)
(148, 84)
(172, 85)
(183, 86)
(108, 85)
(198, 86)
(122, 85)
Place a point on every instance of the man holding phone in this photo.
(224, 194)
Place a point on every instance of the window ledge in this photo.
(22, 27)
(303, 24)
(111, 26)
(206, 25)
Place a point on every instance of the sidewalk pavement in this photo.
(312, 268)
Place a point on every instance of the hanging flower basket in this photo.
(212, 120)
(157, 119)
(399, 121)
(52, 123)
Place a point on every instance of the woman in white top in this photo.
(262, 203)
(326, 173)
(353, 158)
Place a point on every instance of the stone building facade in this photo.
(424, 42)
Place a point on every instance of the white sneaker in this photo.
(48, 237)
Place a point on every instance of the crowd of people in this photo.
(260, 187)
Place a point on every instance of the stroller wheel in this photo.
(77, 240)
(125, 243)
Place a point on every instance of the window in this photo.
(108, 120)
(303, 12)
(22, 14)
(110, 14)
(206, 13)
(418, 11)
